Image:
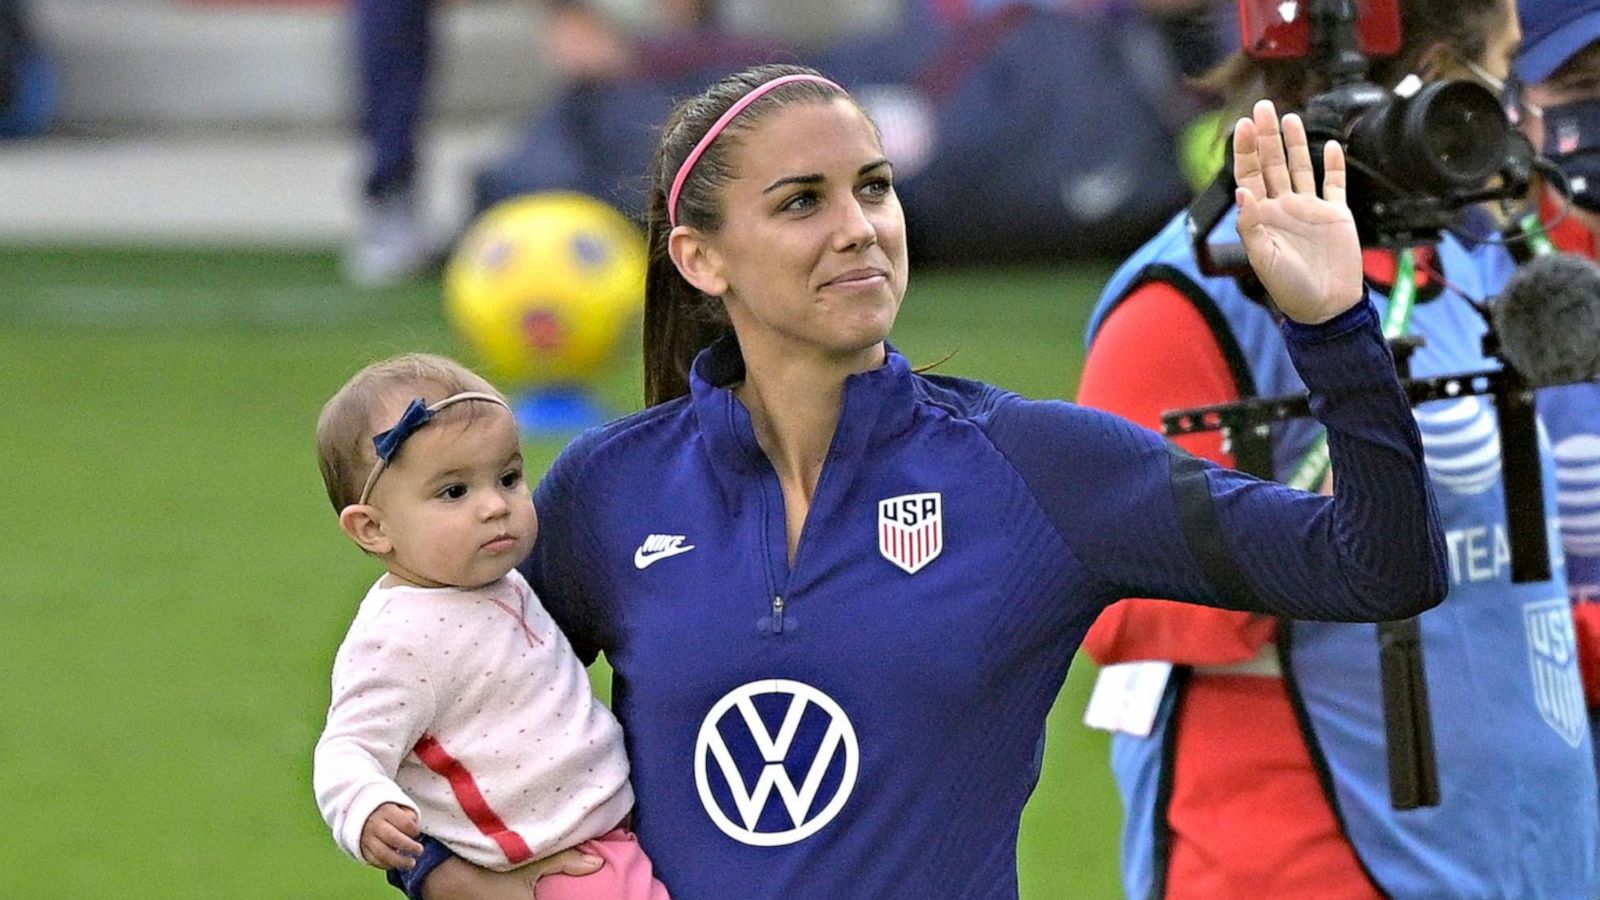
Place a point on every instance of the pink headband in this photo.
(716, 128)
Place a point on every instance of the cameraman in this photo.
(1558, 108)
(1265, 771)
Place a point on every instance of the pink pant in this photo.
(627, 874)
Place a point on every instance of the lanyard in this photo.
(1313, 468)
(1539, 243)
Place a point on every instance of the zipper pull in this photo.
(777, 614)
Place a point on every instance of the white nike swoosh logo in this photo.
(642, 559)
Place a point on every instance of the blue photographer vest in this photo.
(1571, 413)
(1518, 816)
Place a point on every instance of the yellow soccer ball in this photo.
(543, 287)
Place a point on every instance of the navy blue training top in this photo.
(869, 721)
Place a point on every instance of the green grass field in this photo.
(176, 585)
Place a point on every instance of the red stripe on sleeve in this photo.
(472, 801)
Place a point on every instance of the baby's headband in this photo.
(733, 112)
(418, 414)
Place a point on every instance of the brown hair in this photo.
(347, 424)
(679, 321)
(1461, 25)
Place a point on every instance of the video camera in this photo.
(1417, 155)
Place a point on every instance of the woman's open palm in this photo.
(1303, 247)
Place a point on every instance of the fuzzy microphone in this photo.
(1548, 320)
(1546, 327)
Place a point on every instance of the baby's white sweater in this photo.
(470, 707)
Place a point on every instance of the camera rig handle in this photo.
(1519, 443)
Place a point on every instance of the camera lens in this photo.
(1448, 136)
(1458, 130)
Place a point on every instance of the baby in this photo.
(458, 707)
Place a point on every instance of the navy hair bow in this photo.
(418, 414)
(388, 442)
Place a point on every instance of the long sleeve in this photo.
(473, 704)
(1150, 520)
(382, 702)
(1156, 353)
(560, 565)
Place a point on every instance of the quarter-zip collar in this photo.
(876, 404)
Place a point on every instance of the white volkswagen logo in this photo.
(751, 800)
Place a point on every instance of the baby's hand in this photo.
(387, 837)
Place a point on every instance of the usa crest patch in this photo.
(911, 530)
(1553, 656)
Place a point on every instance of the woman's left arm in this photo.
(1305, 250)
(1153, 521)
(1148, 519)
(1375, 550)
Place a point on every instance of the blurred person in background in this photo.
(1557, 104)
(999, 112)
(617, 65)
(1042, 129)
(1020, 128)
(393, 55)
(1264, 769)
(619, 76)
(29, 85)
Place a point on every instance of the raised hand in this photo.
(1302, 247)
